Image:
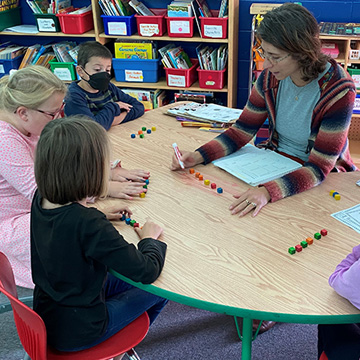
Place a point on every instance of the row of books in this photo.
(116, 7)
(136, 49)
(175, 57)
(9, 51)
(48, 7)
(151, 99)
(8, 4)
(330, 28)
(41, 54)
(212, 59)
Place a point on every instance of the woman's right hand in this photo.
(149, 230)
(189, 158)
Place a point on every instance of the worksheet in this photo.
(349, 217)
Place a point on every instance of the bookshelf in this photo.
(230, 90)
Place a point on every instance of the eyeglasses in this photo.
(273, 60)
(53, 115)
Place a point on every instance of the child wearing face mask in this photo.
(94, 95)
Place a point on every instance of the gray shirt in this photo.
(294, 109)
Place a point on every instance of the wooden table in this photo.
(231, 265)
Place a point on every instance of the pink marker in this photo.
(178, 155)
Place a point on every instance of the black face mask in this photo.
(99, 81)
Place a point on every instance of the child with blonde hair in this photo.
(29, 99)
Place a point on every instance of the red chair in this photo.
(32, 332)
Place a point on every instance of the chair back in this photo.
(30, 327)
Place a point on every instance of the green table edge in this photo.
(246, 313)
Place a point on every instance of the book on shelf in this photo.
(256, 166)
(196, 14)
(62, 49)
(136, 49)
(212, 59)
(11, 51)
(179, 58)
(140, 8)
(333, 28)
(223, 12)
(204, 8)
(151, 99)
(180, 9)
(213, 113)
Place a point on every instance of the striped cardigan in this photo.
(328, 145)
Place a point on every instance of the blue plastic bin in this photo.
(119, 25)
(136, 70)
(7, 65)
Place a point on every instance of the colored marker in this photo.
(178, 155)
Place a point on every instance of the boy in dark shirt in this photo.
(94, 95)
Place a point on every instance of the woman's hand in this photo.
(122, 175)
(252, 199)
(125, 190)
(149, 230)
(188, 158)
(116, 212)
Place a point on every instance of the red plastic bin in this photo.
(180, 26)
(182, 77)
(152, 25)
(76, 23)
(214, 27)
(211, 79)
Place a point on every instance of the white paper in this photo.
(180, 27)
(63, 74)
(134, 75)
(46, 24)
(213, 31)
(149, 29)
(117, 28)
(28, 29)
(176, 80)
(349, 217)
(2, 70)
(256, 166)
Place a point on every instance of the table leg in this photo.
(246, 339)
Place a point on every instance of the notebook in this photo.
(256, 166)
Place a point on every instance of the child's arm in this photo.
(346, 278)
(77, 104)
(125, 190)
(137, 108)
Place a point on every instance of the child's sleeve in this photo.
(346, 278)
(137, 109)
(76, 104)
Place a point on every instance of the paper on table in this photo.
(28, 29)
(256, 166)
(206, 112)
(349, 217)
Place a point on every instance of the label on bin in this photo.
(46, 24)
(149, 29)
(214, 31)
(134, 75)
(117, 28)
(356, 79)
(2, 70)
(176, 80)
(63, 73)
(180, 27)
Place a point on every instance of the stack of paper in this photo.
(256, 166)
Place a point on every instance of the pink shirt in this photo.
(17, 187)
(346, 277)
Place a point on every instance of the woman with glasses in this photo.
(308, 99)
(29, 99)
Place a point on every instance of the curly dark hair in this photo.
(292, 28)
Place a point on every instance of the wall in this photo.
(331, 10)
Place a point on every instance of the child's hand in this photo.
(125, 106)
(121, 174)
(188, 158)
(116, 212)
(149, 230)
(125, 190)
